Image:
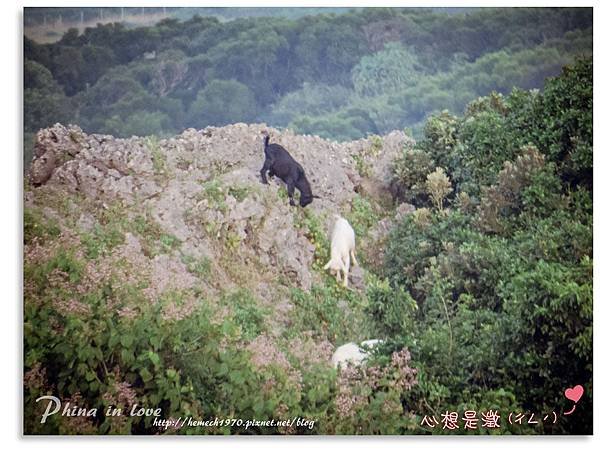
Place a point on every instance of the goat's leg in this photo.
(263, 172)
(290, 189)
(354, 262)
(346, 269)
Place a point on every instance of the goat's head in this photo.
(306, 195)
(305, 199)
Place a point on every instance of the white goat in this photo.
(351, 353)
(342, 249)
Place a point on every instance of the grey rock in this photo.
(357, 278)
(86, 222)
(250, 214)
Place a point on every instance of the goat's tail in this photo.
(266, 141)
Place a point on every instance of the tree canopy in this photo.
(343, 75)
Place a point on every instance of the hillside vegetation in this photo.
(160, 272)
(338, 76)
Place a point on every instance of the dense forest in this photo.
(340, 76)
(44, 16)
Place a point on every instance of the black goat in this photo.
(279, 162)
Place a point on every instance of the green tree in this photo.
(222, 102)
(44, 102)
(312, 99)
(141, 123)
(386, 72)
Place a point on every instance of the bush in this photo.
(438, 187)
(411, 169)
(91, 349)
(503, 283)
(392, 310)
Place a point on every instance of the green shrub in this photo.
(246, 313)
(89, 347)
(363, 215)
(393, 311)
(331, 311)
(159, 161)
(35, 225)
(311, 223)
(101, 240)
(503, 285)
(201, 267)
(215, 193)
(410, 173)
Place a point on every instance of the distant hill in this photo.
(46, 25)
(342, 75)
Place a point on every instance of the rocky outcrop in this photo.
(202, 188)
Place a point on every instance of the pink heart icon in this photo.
(575, 393)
